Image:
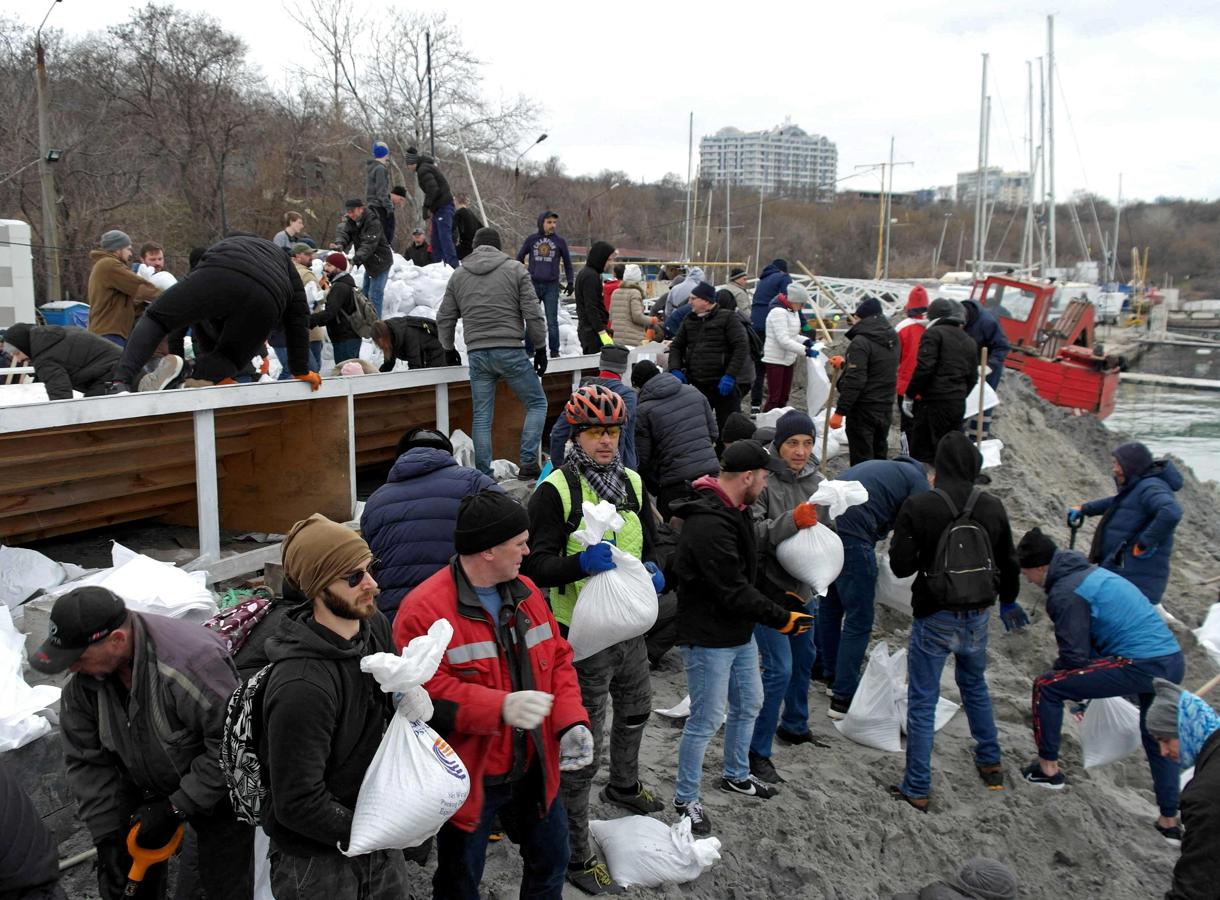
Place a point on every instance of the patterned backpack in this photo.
(239, 762)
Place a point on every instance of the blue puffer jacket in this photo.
(774, 280)
(674, 432)
(561, 430)
(1097, 614)
(987, 332)
(1143, 512)
(889, 482)
(408, 522)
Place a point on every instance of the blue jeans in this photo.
(933, 638)
(548, 293)
(345, 350)
(846, 620)
(442, 235)
(786, 664)
(716, 676)
(315, 359)
(487, 369)
(374, 289)
(1110, 677)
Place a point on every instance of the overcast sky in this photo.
(1138, 81)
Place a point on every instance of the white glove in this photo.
(908, 407)
(526, 709)
(416, 705)
(575, 749)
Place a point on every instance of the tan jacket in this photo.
(317, 333)
(115, 294)
(627, 315)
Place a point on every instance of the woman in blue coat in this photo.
(1135, 537)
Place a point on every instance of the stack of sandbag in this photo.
(19, 703)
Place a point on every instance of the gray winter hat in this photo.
(1162, 718)
(986, 879)
(115, 240)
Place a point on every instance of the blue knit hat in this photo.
(380, 149)
(792, 422)
(1134, 458)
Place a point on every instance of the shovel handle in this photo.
(142, 857)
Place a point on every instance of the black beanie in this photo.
(1035, 549)
(642, 372)
(486, 236)
(737, 427)
(18, 336)
(487, 519)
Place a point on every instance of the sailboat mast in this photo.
(690, 152)
(978, 197)
(1050, 131)
(1027, 245)
(1118, 212)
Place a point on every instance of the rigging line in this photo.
(1079, 155)
(1004, 115)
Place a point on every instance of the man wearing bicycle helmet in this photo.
(593, 471)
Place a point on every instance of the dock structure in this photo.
(1201, 384)
(254, 457)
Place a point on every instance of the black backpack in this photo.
(964, 573)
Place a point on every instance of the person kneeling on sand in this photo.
(1112, 643)
(980, 878)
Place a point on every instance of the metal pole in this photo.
(940, 245)
(1050, 130)
(978, 437)
(728, 226)
(707, 236)
(478, 198)
(1027, 243)
(889, 209)
(50, 218)
(690, 149)
(978, 199)
(1118, 212)
(1042, 161)
(758, 238)
(431, 121)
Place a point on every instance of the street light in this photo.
(516, 168)
(50, 222)
(589, 210)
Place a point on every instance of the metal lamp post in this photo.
(589, 210)
(516, 166)
(50, 219)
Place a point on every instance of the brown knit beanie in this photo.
(318, 551)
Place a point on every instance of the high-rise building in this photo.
(999, 187)
(784, 161)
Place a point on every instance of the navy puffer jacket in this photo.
(408, 522)
(773, 281)
(674, 432)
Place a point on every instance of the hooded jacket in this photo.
(493, 296)
(162, 736)
(29, 855)
(66, 358)
(434, 185)
(542, 254)
(910, 332)
(709, 347)
(870, 366)
(987, 332)
(783, 345)
(1143, 512)
(741, 297)
(1197, 870)
(1098, 614)
(675, 431)
(377, 184)
(591, 315)
(923, 518)
(465, 223)
(372, 250)
(340, 297)
(415, 342)
(679, 295)
(946, 365)
(409, 521)
(773, 524)
(627, 314)
(889, 483)
(716, 564)
(773, 281)
(322, 722)
(115, 293)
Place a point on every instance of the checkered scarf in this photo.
(608, 481)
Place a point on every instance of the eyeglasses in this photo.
(353, 579)
(610, 431)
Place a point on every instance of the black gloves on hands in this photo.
(113, 864)
(540, 361)
(158, 820)
(568, 289)
(453, 358)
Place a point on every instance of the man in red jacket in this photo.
(910, 330)
(505, 698)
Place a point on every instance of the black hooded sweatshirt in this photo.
(66, 358)
(923, 518)
(591, 315)
(870, 365)
(322, 722)
(434, 185)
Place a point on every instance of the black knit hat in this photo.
(487, 519)
(399, 190)
(354, 203)
(423, 436)
(642, 372)
(704, 291)
(1035, 549)
(737, 427)
(486, 236)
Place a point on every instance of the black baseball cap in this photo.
(746, 456)
(81, 617)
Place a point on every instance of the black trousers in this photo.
(756, 387)
(933, 420)
(722, 407)
(868, 432)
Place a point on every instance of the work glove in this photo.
(453, 358)
(793, 602)
(596, 559)
(837, 362)
(568, 290)
(810, 350)
(805, 515)
(526, 709)
(158, 820)
(540, 361)
(113, 864)
(908, 407)
(575, 749)
(727, 383)
(649, 335)
(1013, 616)
(658, 578)
(1141, 552)
(677, 373)
(798, 623)
(1075, 517)
(314, 380)
(415, 705)
(836, 421)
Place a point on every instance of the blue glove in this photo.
(658, 579)
(1075, 517)
(677, 373)
(1013, 616)
(727, 383)
(809, 351)
(596, 559)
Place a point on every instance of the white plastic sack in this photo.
(1208, 633)
(19, 703)
(163, 280)
(991, 450)
(814, 555)
(22, 572)
(893, 591)
(643, 851)
(945, 708)
(504, 469)
(147, 585)
(839, 495)
(990, 400)
(463, 448)
(681, 710)
(612, 606)
(817, 385)
(770, 417)
(873, 719)
(415, 782)
(1110, 731)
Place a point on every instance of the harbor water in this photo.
(1173, 420)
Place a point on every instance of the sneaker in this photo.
(700, 821)
(755, 410)
(763, 769)
(1172, 834)
(638, 800)
(160, 378)
(795, 737)
(117, 387)
(992, 775)
(750, 787)
(838, 707)
(529, 471)
(1034, 775)
(919, 803)
(593, 877)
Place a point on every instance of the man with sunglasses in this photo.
(593, 471)
(323, 719)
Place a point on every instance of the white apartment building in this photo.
(785, 161)
(999, 187)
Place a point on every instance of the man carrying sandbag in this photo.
(323, 719)
(593, 471)
(1112, 643)
(506, 699)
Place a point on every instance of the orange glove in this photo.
(265, 368)
(837, 362)
(313, 379)
(654, 320)
(836, 421)
(805, 515)
(648, 335)
(798, 623)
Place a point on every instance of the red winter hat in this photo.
(338, 260)
(918, 298)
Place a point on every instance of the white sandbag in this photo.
(893, 591)
(19, 703)
(839, 495)
(945, 708)
(23, 572)
(22, 394)
(990, 400)
(147, 585)
(872, 719)
(613, 606)
(463, 448)
(163, 280)
(990, 450)
(415, 782)
(679, 710)
(1110, 731)
(817, 384)
(832, 443)
(643, 851)
(814, 555)
(504, 469)
(1208, 634)
(770, 417)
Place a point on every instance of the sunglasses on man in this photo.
(353, 579)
